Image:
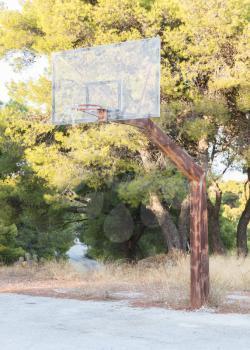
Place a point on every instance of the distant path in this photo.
(39, 323)
(77, 257)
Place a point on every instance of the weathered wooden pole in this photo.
(199, 230)
(199, 243)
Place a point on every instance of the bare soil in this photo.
(160, 283)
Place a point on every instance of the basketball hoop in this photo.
(92, 109)
(128, 90)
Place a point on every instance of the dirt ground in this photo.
(234, 302)
(160, 284)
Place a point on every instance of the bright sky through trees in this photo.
(7, 71)
(12, 4)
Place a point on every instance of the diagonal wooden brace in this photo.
(198, 226)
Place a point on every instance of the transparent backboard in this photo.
(123, 79)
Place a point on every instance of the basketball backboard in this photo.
(123, 79)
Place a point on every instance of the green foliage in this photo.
(151, 243)
(94, 155)
(228, 229)
(231, 199)
(46, 170)
(32, 213)
(35, 96)
(110, 232)
(168, 184)
(46, 26)
(205, 55)
(9, 251)
(93, 231)
(233, 203)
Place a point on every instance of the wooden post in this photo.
(199, 244)
(199, 229)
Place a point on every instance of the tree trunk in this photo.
(184, 224)
(131, 247)
(169, 230)
(242, 248)
(202, 155)
(216, 244)
(214, 223)
(241, 235)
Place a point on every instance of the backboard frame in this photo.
(146, 89)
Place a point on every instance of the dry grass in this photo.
(228, 274)
(164, 280)
(29, 276)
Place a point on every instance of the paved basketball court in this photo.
(39, 323)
